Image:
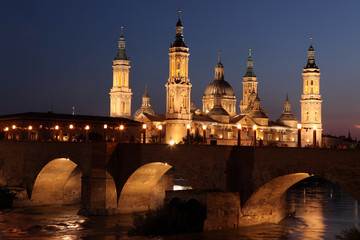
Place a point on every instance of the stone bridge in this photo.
(238, 185)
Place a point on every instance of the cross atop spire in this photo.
(219, 57)
(249, 52)
(121, 53)
(310, 40)
(122, 30)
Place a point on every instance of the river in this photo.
(322, 210)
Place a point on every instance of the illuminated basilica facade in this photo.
(218, 122)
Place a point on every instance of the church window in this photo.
(312, 89)
(312, 82)
(307, 116)
(183, 102)
(125, 79)
(183, 68)
(114, 108)
(316, 89)
(172, 67)
(123, 107)
(120, 79)
(316, 116)
(178, 68)
(172, 101)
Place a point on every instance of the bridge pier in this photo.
(98, 195)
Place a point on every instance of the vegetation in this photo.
(6, 197)
(352, 233)
(176, 217)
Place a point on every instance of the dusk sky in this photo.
(59, 53)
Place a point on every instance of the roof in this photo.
(50, 116)
(155, 117)
(203, 118)
(287, 116)
(219, 87)
(218, 111)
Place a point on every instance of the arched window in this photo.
(123, 107)
(307, 116)
(183, 101)
(183, 68)
(172, 67)
(316, 116)
(178, 68)
(171, 101)
(119, 82)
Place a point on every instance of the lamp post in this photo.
(6, 133)
(105, 128)
(188, 133)
(239, 135)
(87, 127)
(160, 128)
(56, 132)
(121, 128)
(254, 129)
(29, 133)
(204, 134)
(144, 133)
(314, 135)
(13, 134)
(70, 135)
(299, 135)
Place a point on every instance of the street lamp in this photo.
(314, 135)
(188, 133)
(56, 132)
(71, 127)
(204, 134)
(121, 128)
(6, 133)
(299, 135)
(29, 134)
(239, 135)
(105, 127)
(87, 127)
(254, 129)
(13, 134)
(160, 128)
(144, 133)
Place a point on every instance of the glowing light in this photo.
(87, 127)
(6, 129)
(299, 126)
(57, 127)
(30, 127)
(105, 126)
(144, 126)
(188, 126)
(13, 126)
(172, 142)
(71, 126)
(204, 127)
(160, 127)
(314, 127)
(254, 127)
(239, 126)
(122, 127)
(207, 111)
(308, 140)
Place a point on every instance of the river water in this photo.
(322, 210)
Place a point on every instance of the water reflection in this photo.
(322, 209)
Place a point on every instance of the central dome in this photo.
(219, 87)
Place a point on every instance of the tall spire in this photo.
(179, 38)
(121, 53)
(311, 56)
(219, 69)
(250, 66)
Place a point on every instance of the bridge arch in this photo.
(59, 182)
(144, 189)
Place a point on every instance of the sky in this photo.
(58, 54)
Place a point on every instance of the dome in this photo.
(218, 111)
(287, 117)
(144, 110)
(219, 87)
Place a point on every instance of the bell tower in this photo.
(120, 93)
(249, 85)
(178, 86)
(311, 101)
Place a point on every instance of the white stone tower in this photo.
(249, 85)
(120, 93)
(178, 88)
(311, 101)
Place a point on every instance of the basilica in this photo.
(218, 122)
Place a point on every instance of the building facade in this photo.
(218, 122)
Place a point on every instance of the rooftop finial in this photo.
(122, 30)
(310, 40)
(179, 13)
(219, 57)
(249, 52)
(287, 97)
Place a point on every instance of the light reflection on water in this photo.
(322, 209)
